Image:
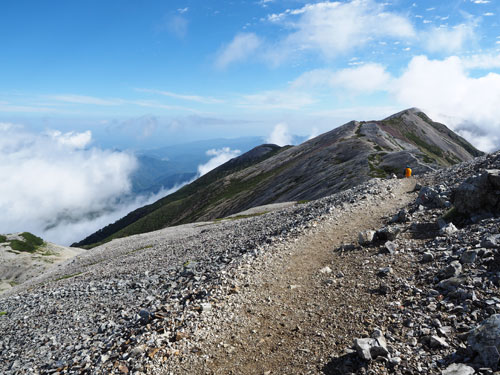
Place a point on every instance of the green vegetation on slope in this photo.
(30, 244)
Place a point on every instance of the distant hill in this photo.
(339, 159)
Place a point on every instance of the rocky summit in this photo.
(340, 159)
(393, 276)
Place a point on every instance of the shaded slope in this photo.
(337, 160)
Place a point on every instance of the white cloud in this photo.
(183, 10)
(51, 181)
(241, 47)
(366, 78)
(219, 157)
(72, 139)
(333, 28)
(488, 14)
(445, 89)
(264, 3)
(280, 135)
(480, 1)
(449, 40)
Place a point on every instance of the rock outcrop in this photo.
(479, 193)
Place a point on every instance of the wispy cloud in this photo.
(239, 49)
(10, 107)
(83, 99)
(276, 99)
(107, 102)
(448, 39)
(192, 98)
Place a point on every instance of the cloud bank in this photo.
(54, 181)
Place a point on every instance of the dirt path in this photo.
(289, 317)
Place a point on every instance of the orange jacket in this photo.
(408, 172)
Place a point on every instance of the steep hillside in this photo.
(337, 160)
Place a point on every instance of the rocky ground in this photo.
(291, 291)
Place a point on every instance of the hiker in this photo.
(407, 172)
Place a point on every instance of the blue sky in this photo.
(180, 70)
(86, 83)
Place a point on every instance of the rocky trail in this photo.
(371, 280)
(299, 303)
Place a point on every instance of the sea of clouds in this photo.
(60, 187)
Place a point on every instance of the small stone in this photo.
(145, 316)
(389, 248)
(448, 229)
(458, 369)
(437, 342)
(326, 270)
(389, 233)
(427, 257)
(451, 284)
(366, 237)
(451, 270)
(206, 306)
(491, 242)
(384, 271)
(468, 257)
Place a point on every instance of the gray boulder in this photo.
(479, 193)
(371, 348)
(485, 341)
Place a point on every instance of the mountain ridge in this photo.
(336, 160)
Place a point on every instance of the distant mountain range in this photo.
(339, 159)
(166, 167)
